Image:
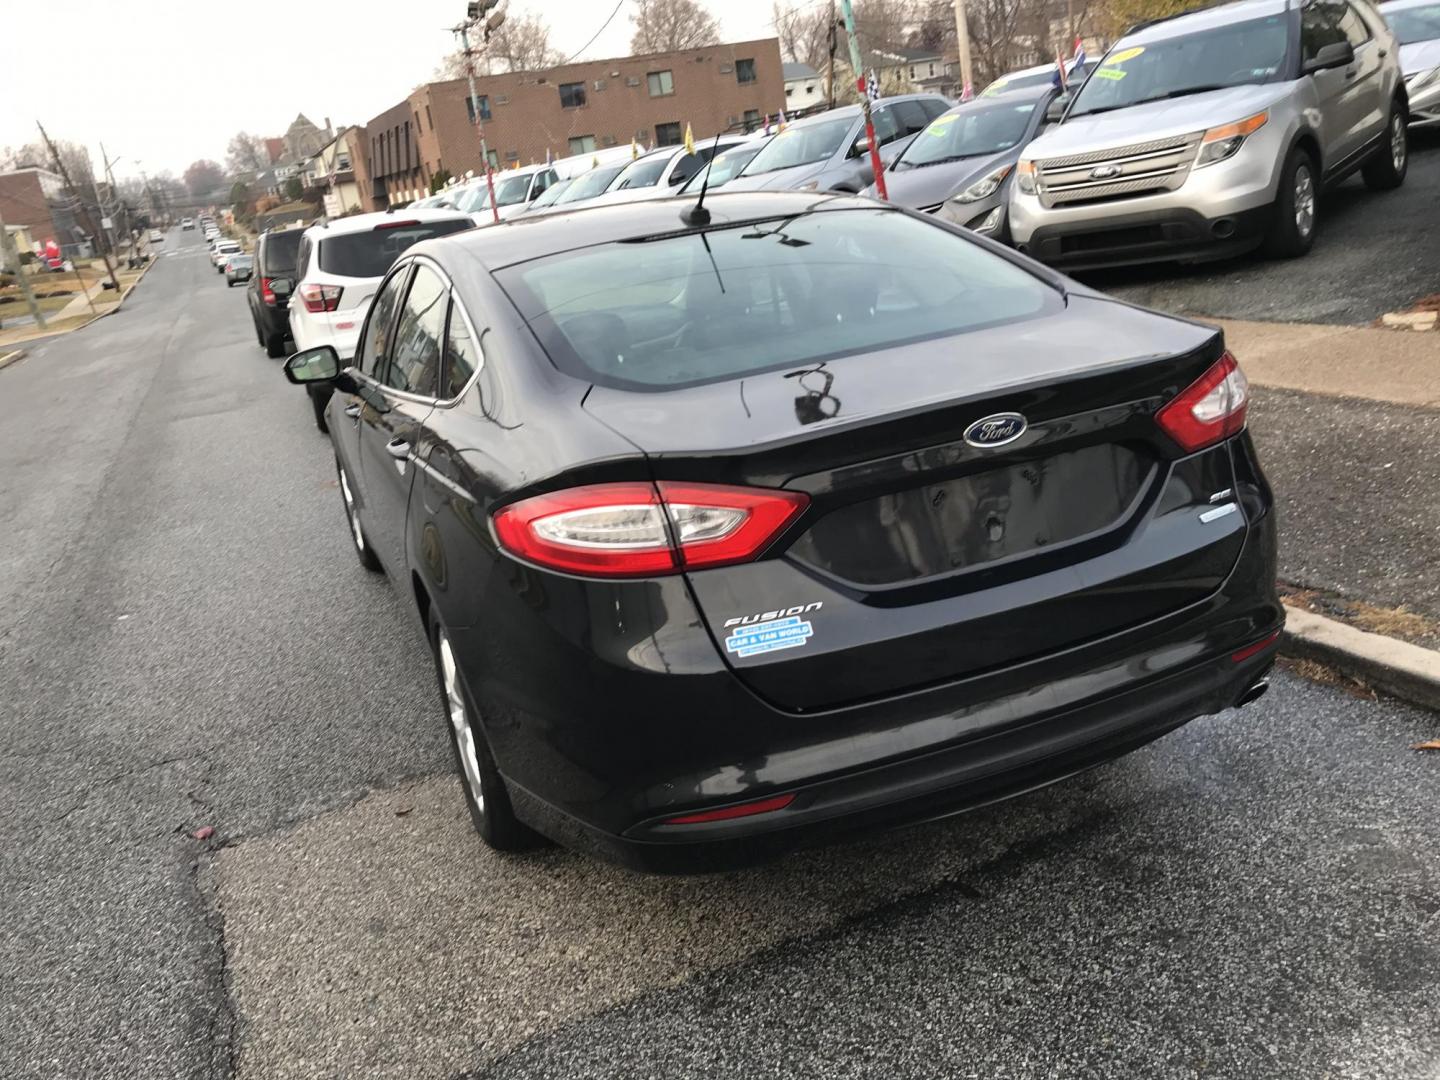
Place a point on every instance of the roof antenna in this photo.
(697, 215)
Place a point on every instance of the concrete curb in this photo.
(1403, 670)
(12, 357)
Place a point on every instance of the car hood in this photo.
(932, 184)
(623, 195)
(1153, 120)
(779, 180)
(1420, 56)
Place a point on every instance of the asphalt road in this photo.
(1376, 252)
(186, 641)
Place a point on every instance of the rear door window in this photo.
(414, 362)
(369, 254)
(462, 354)
(911, 117)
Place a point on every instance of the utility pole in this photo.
(11, 256)
(858, 66)
(473, 11)
(122, 211)
(84, 211)
(830, 65)
(962, 45)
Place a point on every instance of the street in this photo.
(186, 642)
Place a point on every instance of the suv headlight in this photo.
(1421, 79)
(984, 187)
(1025, 177)
(1224, 142)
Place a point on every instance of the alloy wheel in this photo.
(351, 511)
(460, 721)
(1398, 143)
(1304, 201)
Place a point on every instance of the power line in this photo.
(597, 32)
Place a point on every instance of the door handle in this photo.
(353, 411)
(1350, 73)
(398, 448)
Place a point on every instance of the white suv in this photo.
(340, 265)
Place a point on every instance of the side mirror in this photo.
(1336, 54)
(1055, 111)
(320, 364)
(861, 147)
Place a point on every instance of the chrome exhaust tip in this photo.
(1254, 694)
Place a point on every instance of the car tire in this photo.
(484, 788)
(1296, 219)
(319, 404)
(361, 542)
(275, 348)
(1386, 170)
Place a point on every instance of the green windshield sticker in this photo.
(938, 126)
(1109, 73)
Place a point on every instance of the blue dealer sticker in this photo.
(770, 636)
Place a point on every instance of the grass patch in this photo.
(1397, 622)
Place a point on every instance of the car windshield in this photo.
(723, 169)
(801, 144)
(975, 130)
(1252, 51)
(511, 190)
(1412, 24)
(370, 254)
(759, 296)
(551, 193)
(644, 172)
(593, 183)
(473, 198)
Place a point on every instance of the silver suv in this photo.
(1210, 134)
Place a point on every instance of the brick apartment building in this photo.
(29, 198)
(568, 110)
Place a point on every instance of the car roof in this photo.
(1203, 19)
(366, 222)
(536, 237)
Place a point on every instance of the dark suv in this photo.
(271, 285)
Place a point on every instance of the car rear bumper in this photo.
(607, 730)
(1170, 235)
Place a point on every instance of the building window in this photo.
(342, 162)
(752, 119)
(787, 90)
(744, 71)
(932, 71)
(661, 83)
(418, 128)
(429, 119)
(668, 134)
(494, 159)
(484, 103)
(582, 144)
(572, 95)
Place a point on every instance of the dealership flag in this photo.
(689, 140)
(872, 86)
(767, 124)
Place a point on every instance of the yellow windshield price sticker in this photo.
(999, 87)
(1125, 54)
(937, 127)
(1109, 73)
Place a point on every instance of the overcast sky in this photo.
(164, 82)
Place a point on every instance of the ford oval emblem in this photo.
(1104, 172)
(999, 430)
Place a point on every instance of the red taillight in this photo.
(1209, 409)
(644, 530)
(266, 293)
(321, 297)
(1256, 649)
(729, 813)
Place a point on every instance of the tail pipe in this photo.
(1254, 694)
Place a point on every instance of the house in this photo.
(302, 138)
(804, 87)
(35, 199)
(573, 109)
(331, 169)
(907, 71)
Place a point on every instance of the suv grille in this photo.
(1125, 171)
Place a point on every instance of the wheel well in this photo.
(1311, 146)
(422, 599)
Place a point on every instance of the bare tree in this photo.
(804, 34)
(203, 176)
(672, 25)
(522, 43)
(35, 155)
(246, 153)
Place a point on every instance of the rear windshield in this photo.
(278, 252)
(371, 254)
(803, 144)
(1414, 24)
(699, 308)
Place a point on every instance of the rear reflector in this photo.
(1256, 649)
(729, 813)
(1209, 409)
(636, 529)
(321, 297)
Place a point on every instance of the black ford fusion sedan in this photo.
(819, 515)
